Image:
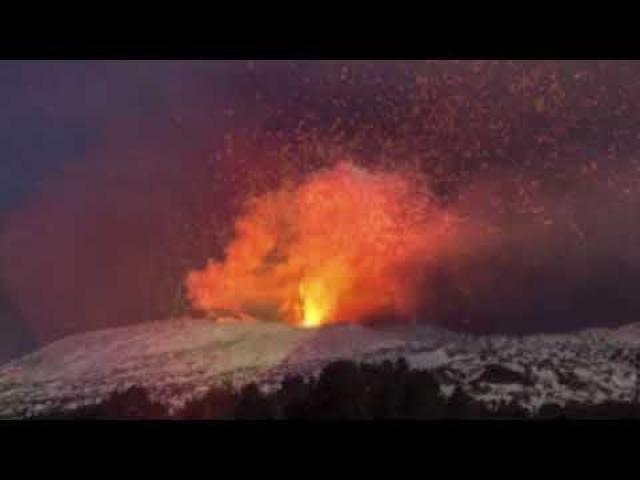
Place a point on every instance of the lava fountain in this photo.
(344, 245)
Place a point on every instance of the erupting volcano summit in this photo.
(344, 245)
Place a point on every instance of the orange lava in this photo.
(341, 247)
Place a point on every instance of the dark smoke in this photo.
(569, 260)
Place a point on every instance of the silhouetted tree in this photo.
(422, 396)
(131, 404)
(461, 405)
(217, 404)
(293, 398)
(253, 405)
(341, 392)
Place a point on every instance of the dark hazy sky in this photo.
(54, 111)
(115, 177)
(54, 114)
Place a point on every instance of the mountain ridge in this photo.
(180, 359)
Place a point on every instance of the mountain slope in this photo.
(176, 360)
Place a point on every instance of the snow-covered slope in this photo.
(178, 359)
(174, 359)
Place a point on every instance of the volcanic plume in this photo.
(345, 245)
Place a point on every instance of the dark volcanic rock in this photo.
(495, 373)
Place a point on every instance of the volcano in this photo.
(180, 359)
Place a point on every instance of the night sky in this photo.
(118, 177)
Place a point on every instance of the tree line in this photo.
(343, 390)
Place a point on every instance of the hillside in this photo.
(176, 360)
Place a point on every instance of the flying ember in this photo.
(343, 246)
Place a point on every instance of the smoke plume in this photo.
(344, 245)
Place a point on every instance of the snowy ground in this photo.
(178, 359)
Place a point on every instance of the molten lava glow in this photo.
(342, 246)
(318, 296)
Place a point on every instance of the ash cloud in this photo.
(344, 244)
